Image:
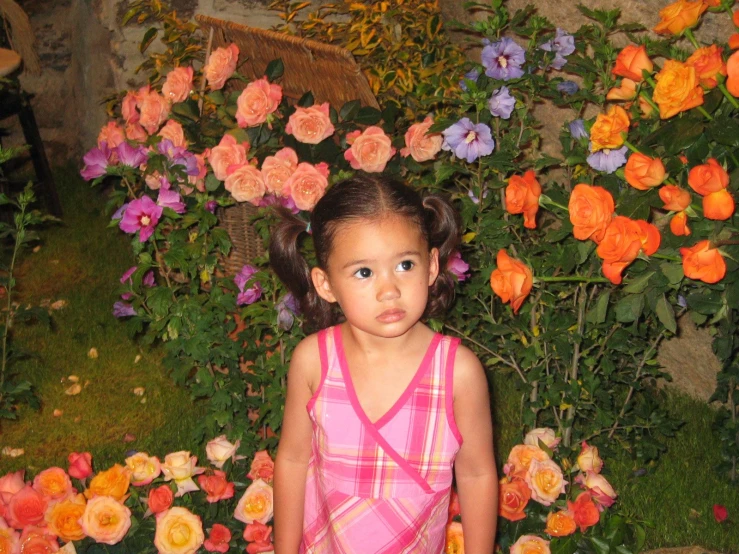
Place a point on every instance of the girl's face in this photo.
(379, 271)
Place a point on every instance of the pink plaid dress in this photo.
(382, 487)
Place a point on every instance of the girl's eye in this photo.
(363, 273)
(405, 265)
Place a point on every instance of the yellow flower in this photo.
(610, 129)
(179, 531)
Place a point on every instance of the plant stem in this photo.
(691, 38)
(728, 95)
(582, 304)
(666, 257)
(702, 110)
(648, 98)
(572, 279)
(494, 354)
(732, 404)
(548, 200)
(631, 147)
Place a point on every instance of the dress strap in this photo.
(449, 387)
(323, 355)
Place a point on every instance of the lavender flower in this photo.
(468, 140)
(252, 294)
(577, 129)
(211, 206)
(563, 44)
(170, 199)
(96, 162)
(475, 198)
(179, 155)
(287, 308)
(131, 156)
(141, 215)
(471, 75)
(501, 103)
(457, 266)
(568, 87)
(607, 160)
(503, 59)
(121, 309)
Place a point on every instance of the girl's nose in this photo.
(387, 289)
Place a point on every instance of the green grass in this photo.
(80, 261)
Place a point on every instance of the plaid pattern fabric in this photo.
(380, 487)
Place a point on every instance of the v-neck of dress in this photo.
(352, 393)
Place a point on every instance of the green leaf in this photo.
(673, 272)
(725, 130)
(601, 546)
(637, 285)
(597, 314)
(705, 305)
(666, 314)
(307, 100)
(443, 172)
(187, 109)
(275, 70)
(349, 110)
(211, 182)
(629, 308)
(563, 545)
(149, 37)
(368, 116)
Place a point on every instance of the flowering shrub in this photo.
(143, 505)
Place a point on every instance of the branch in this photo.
(511, 364)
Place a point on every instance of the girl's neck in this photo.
(367, 345)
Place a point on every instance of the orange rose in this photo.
(734, 40)
(245, 184)
(53, 483)
(546, 481)
(512, 280)
(679, 16)
(675, 198)
(610, 129)
(27, 507)
(620, 246)
(111, 482)
(454, 509)
(677, 89)
(560, 524)
(650, 237)
(454, 539)
(591, 210)
(307, 184)
(178, 85)
(522, 196)
(154, 111)
(8, 539)
(513, 496)
(369, 150)
(419, 143)
(521, 456)
(709, 64)
(111, 134)
(679, 225)
(216, 486)
(584, 511)
(718, 205)
(37, 540)
(643, 172)
(530, 544)
(732, 70)
(173, 132)
(310, 125)
(221, 65)
(703, 262)
(708, 177)
(735, 18)
(63, 518)
(129, 107)
(259, 99)
(631, 61)
(627, 91)
(160, 498)
(262, 466)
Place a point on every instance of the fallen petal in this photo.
(58, 305)
(128, 437)
(137, 359)
(73, 378)
(36, 248)
(139, 391)
(74, 389)
(93, 353)
(58, 412)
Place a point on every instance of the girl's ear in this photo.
(433, 265)
(322, 284)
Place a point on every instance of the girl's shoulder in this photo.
(468, 371)
(306, 360)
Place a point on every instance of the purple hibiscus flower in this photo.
(132, 156)
(119, 212)
(169, 198)
(148, 279)
(568, 87)
(287, 308)
(501, 103)
(471, 75)
(468, 140)
(211, 206)
(179, 155)
(577, 129)
(474, 196)
(457, 266)
(563, 44)
(121, 309)
(96, 162)
(607, 160)
(126, 277)
(141, 215)
(253, 293)
(503, 59)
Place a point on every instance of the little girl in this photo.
(379, 408)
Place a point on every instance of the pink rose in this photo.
(246, 184)
(308, 184)
(221, 65)
(600, 489)
(173, 131)
(129, 107)
(310, 125)
(53, 483)
(589, 460)
(259, 99)
(111, 134)
(256, 504)
(105, 520)
(11, 483)
(153, 180)
(37, 540)
(154, 111)
(135, 132)
(419, 144)
(178, 85)
(277, 169)
(370, 150)
(218, 539)
(160, 498)
(228, 153)
(543, 434)
(80, 465)
(262, 467)
(27, 507)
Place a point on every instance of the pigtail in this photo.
(443, 229)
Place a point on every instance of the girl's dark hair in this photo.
(361, 197)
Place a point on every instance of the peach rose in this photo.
(542, 434)
(599, 488)
(160, 499)
(709, 64)
(64, 517)
(530, 544)
(262, 467)
(221, 65)
(643, 172)
(218, 539)
(677, 89)
(154, 111)
(105, 520)
(144, 468)
(181, 467)
(703, 262)
(246, 184)
(708, 177)
(718, 205)
(216, 486)
(546, 481)
(136, 132)
(310, 125)
(679, 16)
(129, 107)
(111, 482)
(80, 465)
(8, 538)
(259, 99)
(53, 483)
(219, 450)
(521, 456)
(370, 150)
(256, 504)
(588, 459)
(308, 184)
(178, 531)
(228, 153)
(610, 129)
(732, 70)
(675, 198)
(513, 497)
(277, 169)
(37, 540)
(173, 132)
(584, 511)
(11, 483)
(259, 537)
(512, 280)
(111, 134)
(560, 524)
(178, 85)
(620, 246)
(522, 196)
(631, 61)
(679, 225)
(454, 538)
(27, 507)
(421, 145)
(649, 236)
(626, 91)
(591, 211)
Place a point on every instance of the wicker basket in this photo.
(329, 72)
